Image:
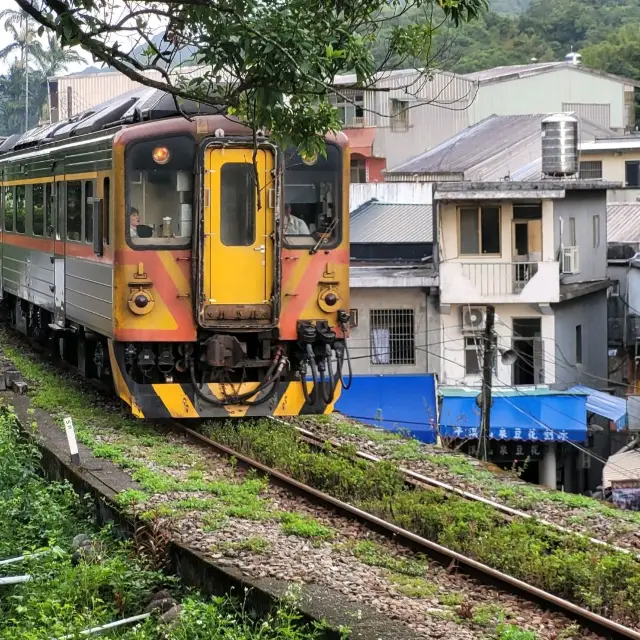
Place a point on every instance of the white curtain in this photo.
(381, 346)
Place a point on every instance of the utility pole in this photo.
(26, 73)
(487, 380)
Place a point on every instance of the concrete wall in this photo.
(364, 300)
(613, 168)
(591, 313)
(453, 349)
(547, 92)
(583, 206)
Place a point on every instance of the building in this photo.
(500, 147)
(536, 251)
(616, 159)
(406, 113)
(394, 314)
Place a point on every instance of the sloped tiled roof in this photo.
(484, 140)
(381, 222)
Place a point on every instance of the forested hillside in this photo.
(605, 32)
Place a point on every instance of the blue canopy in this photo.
(533, 414)
(605, 405)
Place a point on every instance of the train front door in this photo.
(238, 244)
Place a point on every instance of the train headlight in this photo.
(161, 155)
(141, 302)
(329, 300)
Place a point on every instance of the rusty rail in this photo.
(608, 628)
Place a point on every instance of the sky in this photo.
(5, 39)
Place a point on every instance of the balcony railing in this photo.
(499, 278)
(495, 282)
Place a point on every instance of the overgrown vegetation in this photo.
(605, 581)
(109, 581)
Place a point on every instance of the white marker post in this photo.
(71, 437)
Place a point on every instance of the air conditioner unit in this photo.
(570, 260)
(473, 319)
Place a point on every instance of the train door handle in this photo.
(260, 248)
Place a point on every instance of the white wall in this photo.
(546, 93)
(453, 352)
(364, 300)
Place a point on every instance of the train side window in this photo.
(62, 186)
(237, 204)
(74, 210)
(8, 208)
(21, 208)
(37, 200)
(50, 207)
(106, 208)
(89, 192)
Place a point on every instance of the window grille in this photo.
(399, 115)
(591, 170)
(392, 337)
(358, 170)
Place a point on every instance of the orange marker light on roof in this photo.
(161, 155)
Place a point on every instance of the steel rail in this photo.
(598, 623)
(422, 479)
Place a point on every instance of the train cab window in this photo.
(312, 193)
(37, 199)
(160, 192)
(50, 200)
(8, 208)
(21, 208)
(74, 210)
(89, 190)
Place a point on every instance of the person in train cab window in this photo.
(134, 221)
(294, 226)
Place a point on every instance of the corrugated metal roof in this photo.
(623, 222)
(391, 223)
(604, 404)
(516, 70)
(488, 138)
(521, 70)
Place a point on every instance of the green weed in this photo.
(303, 526)
(412, 586)
(253, 544)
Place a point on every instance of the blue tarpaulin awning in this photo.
(531, 413)
(605, 405)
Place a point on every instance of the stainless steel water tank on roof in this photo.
(560, 155)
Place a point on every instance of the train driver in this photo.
(134, 221)
(294, 226)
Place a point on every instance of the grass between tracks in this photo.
(112, 583)
(397, 447)
(602, 580)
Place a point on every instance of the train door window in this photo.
(237, 206)
(106, 208)
(87, 203)
(37, 199)
(21, 208)
(9, 201)
(61, 209)
(74, 210)
(50, 207)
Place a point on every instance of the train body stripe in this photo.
(173, 395)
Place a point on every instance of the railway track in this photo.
(601, 625)
(451, 559)
(419, 479)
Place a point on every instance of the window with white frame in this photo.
(596, 231)
(399, 115)
(392, 337)
(572, 232)
(591, 170)
(350, 106)
(479, 230)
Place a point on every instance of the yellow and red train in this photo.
(204, 275)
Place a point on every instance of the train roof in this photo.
(139, 105)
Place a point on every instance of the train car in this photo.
(190, 261)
